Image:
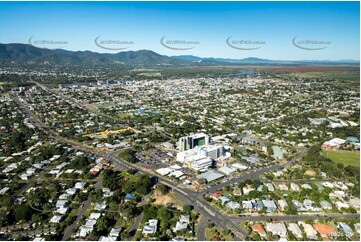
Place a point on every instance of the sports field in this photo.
(343, 156)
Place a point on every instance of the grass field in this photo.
(106, 133)
(343, 156)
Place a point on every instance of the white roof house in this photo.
(80, 185)
(95, 216)
(56, 219)
(270, 187)
(233, 205)
(295, 230)
(328, 184)
(71, 191)
(325, 205)
(150, 227)
(346, 229)
(341, 205)
(24, 176)
(310, 205)
(340, 185)
(354, 202)
(184, 218)
(106, 238)
(283, 204)
(247, 204)
(90, 222)
(61, 203)
(277, 229)
(306, 186)
(84, 230)
(270, 206)
(311, 233)
(283, 187)
(62, 210)
(114, 232)
(298, 205)
(4, 190)
(64, 196)
(294, 187)
(39, 239)
(100, 206)
(180, 226)
(246, 190)
(182, 223)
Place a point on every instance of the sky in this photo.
(271, 30)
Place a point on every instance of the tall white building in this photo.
(214, 151)
(192, 141)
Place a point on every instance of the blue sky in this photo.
(209, 23)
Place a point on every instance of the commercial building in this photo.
(210, 176)
(190, 142)
(214, 151)
(333, 144)
(200, 164)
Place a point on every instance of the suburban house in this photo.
(216, 195)
(295, 230)
(283, 204)
(150, 227)
(56, 219)
(325, 205)
(270, 206)
(233, 205)
(346, 229)
(182, 223)
(311, 205)
(247, 205)
(295, 187)
(277, 229)
(259, 229)
(324, 230)
(309, 230)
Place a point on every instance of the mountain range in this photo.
(25, 53)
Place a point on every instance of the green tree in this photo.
(163, 188)
(23, 212)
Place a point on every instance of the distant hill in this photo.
(25, 53)
(250, 60)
